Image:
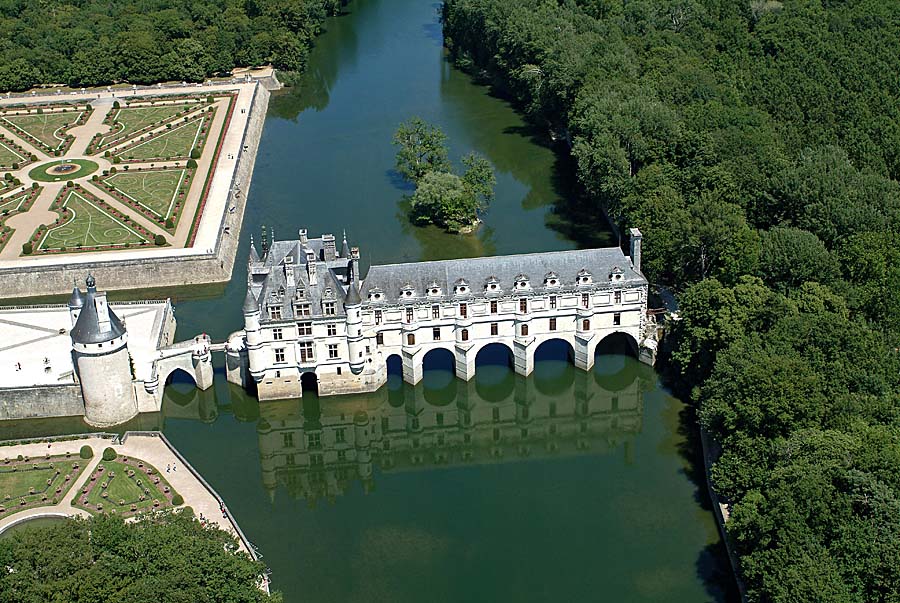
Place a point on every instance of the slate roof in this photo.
(87, 329)
(391, 279)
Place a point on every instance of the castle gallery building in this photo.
(312, 321)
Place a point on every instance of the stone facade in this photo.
(310, 320)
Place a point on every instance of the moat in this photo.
(571, 485)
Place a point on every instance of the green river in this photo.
(565, 486)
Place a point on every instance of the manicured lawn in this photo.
(85, 168)
(9, 155)
(172, 144)
(91, 223)
(111, 487)
(45, 127)
(128, 120)
(13, 203)
(44, 476)
(154, 190)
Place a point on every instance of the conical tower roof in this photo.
(76, 300)
(250, 304)
(91, 327)
(345, 248)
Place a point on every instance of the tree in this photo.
(422, 149)
(446, 200)
(790, 257)
(96, 559)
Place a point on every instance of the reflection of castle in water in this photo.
(317, 449)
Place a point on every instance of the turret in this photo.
(352, 307)
(76, 303)
(253, 334)
(102, 362)
(636, 249)
(345, 247)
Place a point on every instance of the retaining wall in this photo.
(152, 272)
(41, 402)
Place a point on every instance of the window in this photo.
(436, 333)
(306, 351)
(552, 324)
(585, 300)
(377, 317)
(288, 439)
(553, 302)
(435, 311)
(368, 350)
(524, 330)
(379, 338)
(585, 325)
(409, 315)
(617, 318)
(279, 354)
(316, 460)
(332, 329)
(525, 412)
(440, 439)
(314, 441)
(523, 305)
(467, 438)
(275, 312)
(303, 310)
(342, 455)
(496, 435)
(277, 334)
(496, 415)
(338, 370)
(524, 433)
(290, 459)
(463, 310)
(332, 351)
(494, 307)
(495, 328)
(304, 328)
(384, 425)
(339, 435)
(328, 308)
(464, 335)
(553, 409)
(617, 297)
(615, 403)
(410, 339)
(439, 417)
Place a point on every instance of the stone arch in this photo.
(495, 377)
(394, 364)
(439, 376)
(616, 342)
(438, 359)
(309, 383)
(178, 374)
(554, 361)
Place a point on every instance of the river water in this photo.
(567, 485)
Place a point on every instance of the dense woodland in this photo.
(757, 146)
(164, 557)
(99, 42)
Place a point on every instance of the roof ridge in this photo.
(495, 257)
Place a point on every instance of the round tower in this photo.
(254, 336)
(355, 341)
(102, 363)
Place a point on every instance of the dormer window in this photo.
(492, 285)
(551, 279)
(301, 294)
(407, 291)
(376, 294)
(329, 293)
(616, 274)
(461, 287)
(584, 277)
(434, 289)
(522, 282)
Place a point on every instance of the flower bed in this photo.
(124, 486)
(26, 483)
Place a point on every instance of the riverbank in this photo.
(151, 447)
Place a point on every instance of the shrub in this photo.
(34, 186)
(106, 154)
(70, 184)
(27, 248)
(191, 163)
(170, 223)
(117, 159)
(195, 153)
(40, 111)
(115, 104)
(109, 454)
(159, 240)
(210, 99)
(112, 170)
(86, 452)
(177, 500)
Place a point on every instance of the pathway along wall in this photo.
(28, 281)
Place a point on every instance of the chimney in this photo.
(303, 239)
(636, 249)
(329, 251)
(354, 264)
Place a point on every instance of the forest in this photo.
(100, 42)
(756, 144)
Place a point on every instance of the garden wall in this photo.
(41, 402)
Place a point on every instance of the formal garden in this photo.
(127, 122)
(125, 486)
(86, 223)
(12, 205)
(182, 141)
(13, 156)
(158, 193)
(46, 127)
(26, 483)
